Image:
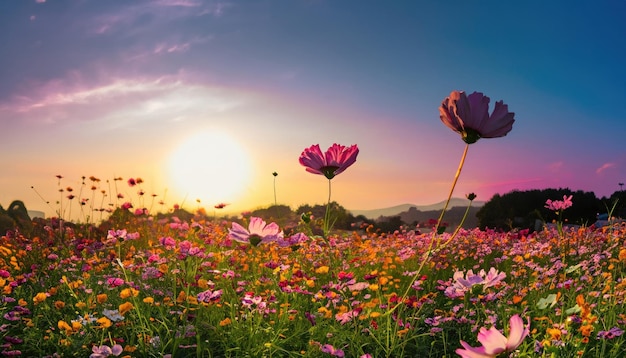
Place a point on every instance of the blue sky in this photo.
(113, 88)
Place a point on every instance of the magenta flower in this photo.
(336, 159)
(493, 342)
(258, 232)
(469, 116)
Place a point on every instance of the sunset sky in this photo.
(204, 100)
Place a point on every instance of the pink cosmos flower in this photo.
(258, 232)
(558, 205)
(336, 159)
(469, 116)
(493, 342)
(104, 351)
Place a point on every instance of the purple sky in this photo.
(120, 89)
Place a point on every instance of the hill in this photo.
(399, 209)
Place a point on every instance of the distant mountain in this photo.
(398, 209)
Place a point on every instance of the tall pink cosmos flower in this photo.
(336, 159)
(469, 116)
(493, 342)
(258, 232)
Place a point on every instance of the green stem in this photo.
(326, 227)
(456, 178)
(458, 228)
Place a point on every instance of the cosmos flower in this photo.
(104, 351)
(469, 116)
(493, 342)
(336, 159)
(558, 205)
(258, 232)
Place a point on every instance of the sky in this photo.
(204, 100)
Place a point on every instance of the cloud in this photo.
(146, 17)
(604, 167)
(120, 100)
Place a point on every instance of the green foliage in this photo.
(521, 209)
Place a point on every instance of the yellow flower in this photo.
(322, 269)
(40, 297)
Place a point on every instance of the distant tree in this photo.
(520, 209)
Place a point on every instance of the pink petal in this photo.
(471, 352)
(313, 159)
(493, 341)
(256, 226)
(238, 233)
(517, 332)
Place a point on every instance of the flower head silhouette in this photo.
(469, 116)
(336, 159)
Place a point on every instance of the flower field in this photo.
(143, 285)
(149, 287)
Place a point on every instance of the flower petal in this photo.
(313, 159)
(517, 333)
(471, 352)
(493, 341)
(238, 233)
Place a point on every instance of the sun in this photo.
(211, 167)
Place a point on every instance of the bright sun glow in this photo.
(211, 167)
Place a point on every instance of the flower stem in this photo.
(456, 178)
(326, 227)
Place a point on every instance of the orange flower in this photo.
(59, 304)
(554, 333)
(104, 322)
(125, 307)
(128, 292)
(40, 297)
(102, 298)
(586, 330)
(225, 322)
(64, 326)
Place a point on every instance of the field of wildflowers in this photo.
(141, 285)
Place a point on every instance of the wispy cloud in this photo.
(124, 100)
(604, 167)
(143, 17)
